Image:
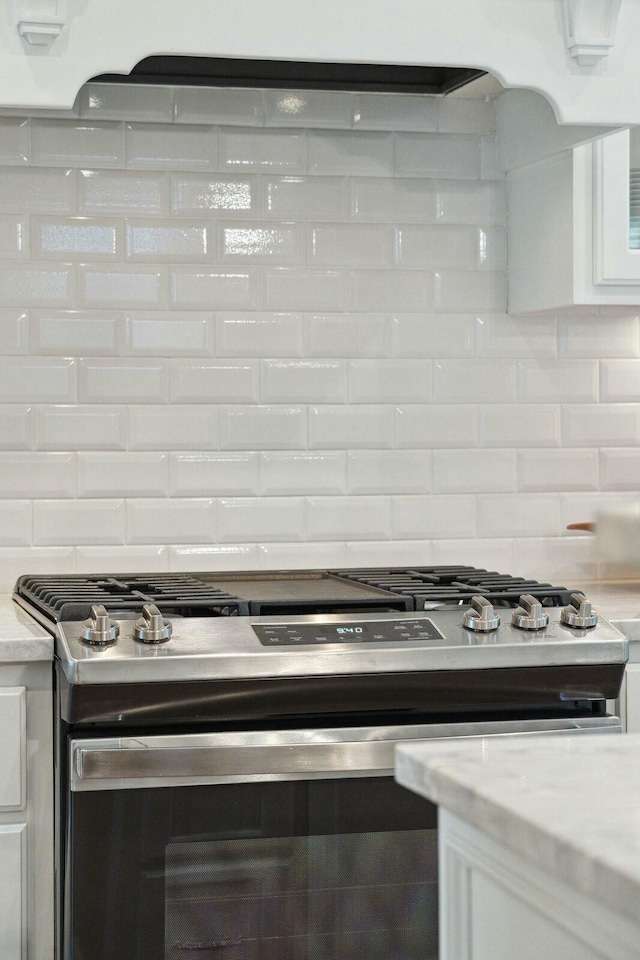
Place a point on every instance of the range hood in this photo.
(298, 74)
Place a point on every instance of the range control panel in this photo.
(375, 631)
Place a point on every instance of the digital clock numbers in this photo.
(374, 631)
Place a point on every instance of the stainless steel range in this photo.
(225, 747)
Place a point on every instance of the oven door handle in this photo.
(117, 763)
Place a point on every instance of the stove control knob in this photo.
(579, 613)
(99, 630)
(529, 615)
(152, 627)
(481, 616)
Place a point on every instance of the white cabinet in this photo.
(630, 701)
(573, 228)
(13, 891)
(12, 748)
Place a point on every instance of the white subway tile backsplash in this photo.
(108, 101)
(389, 471)
(302, 288)
(214, 381)
(390, 381)
(287, 474)
(37, 191)
(404, 291)
(395, 112)
(308, 108)
(122, 559)
(466, 116)
(519, 425)
(437, 245)
(464, 291)
(474, 471)
(171, 521)
(554, 470)
(475, 381)
(355, 153)
(601, 425)
(118, 192)
(121, 286)
(434, 518)
(15, 560)
(346, 335)
(246, 519)
(437, 155)
(159, 240)
(215, 474)
(620, 469)
(557, 558)
(13, 237)
(167, 334)
(490, 167)
(348, 518)
(249, 151)
(81, 427)
(620, 380)
(546, 381)
(37, 380)
(174, 428)
(236, 556)
(72, 522)
(350, 245)
(73, 333)
(37, 285)
(260, 243)
(526, 337)
(581, 507)
(376, 553)
(197, 195)
(519, 515)
(425, 335)
(56, 144)
(471, 201)
(344, 427)
(16, 427)
(263, 428)
(194, 288)
(303, 381)
(226, 105)
(436, 425)
(259, 335)
(489, 554)
(123, 381)
(302, 556)
(14, 140)
(597, 337)
(14, 331)
(123, 474)
(53, 238)
(156, 146)
(393, 200)
(16, 523)
(37, 475)
(308, 198)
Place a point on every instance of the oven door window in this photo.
(324, 869)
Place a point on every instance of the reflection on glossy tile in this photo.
(256, 243)
(14, 331)
(167, 240)
(57, 144)
(108, 101)
(27, 284)
(197, 195)
(75, 238)
(14, 140)
(16, 427)
(263, 150)
(307, 108)
(37, 191)
(237, 556)
(116, 192)
(303, 381)
(13, 237)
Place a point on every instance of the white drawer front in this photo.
(13, 920)
(13, 738)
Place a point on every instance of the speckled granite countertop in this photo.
(21, 638)
(569, 804)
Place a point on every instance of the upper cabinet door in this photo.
(617, 208)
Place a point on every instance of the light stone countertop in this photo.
(619, 601)
(21, 638)
(569, 804)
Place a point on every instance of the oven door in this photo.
(257, 845)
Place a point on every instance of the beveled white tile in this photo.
(82, 427)
(37, 475)
(593, 337)
(14, 331)
(554, 470)
(310, 198)
(350, 245)
(38, 191)
(393, 290)
(263, 150)
(390, 381)
(322, 472)
(357, 427)
(473, 201)
(301, 288)
(465, 116)
(122, 559)
(49, 560)
(56, 143)
(466, 291)
(16, 524)
(474, 471)
(346, 335)
(173, 427)
(263, 428)
(394, 112)
(37, 380)
(389, 471)
(308, 108)
(247, 519)
(351, 152)
(601, 425)
(519, 425)
(75, 332)
(398, 553)
(197, 195)
(348, 518)
(519, 515)
(229, 106)
(36, 285)
(115, 192)
(301, 556)
(123, 381)
(436, 425)
(227, 289)
(13, 237)
(491, 248)
(214, 474)
(437, 245)
(437, 155)
(158, 240)
(620, 469)
(16, 427)
(557, 558)
(303, 381)
(506, 336)
(260, 242)
(620, 380)
(167, 334)
(73, 522)
(429, 335)
(237, 556)
(14, 140)
(241, 334)
(75, 238)
(549, 381)
(122, 285)
(171, 521)
(126, 101)
(214, 381)
(158, 146)
(123, 474)
(488, 554)
(395, 201)
(475, 381)
(433, 517)
(583, 507)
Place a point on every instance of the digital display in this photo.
(381, 631)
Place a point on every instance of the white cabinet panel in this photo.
(12, 748)
(632, 687)
(13, 891)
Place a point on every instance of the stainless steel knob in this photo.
(152, 627)
(481, 616)
(99, 630)
(529, 615)
(579, 612)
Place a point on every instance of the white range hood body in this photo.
(580, 54)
